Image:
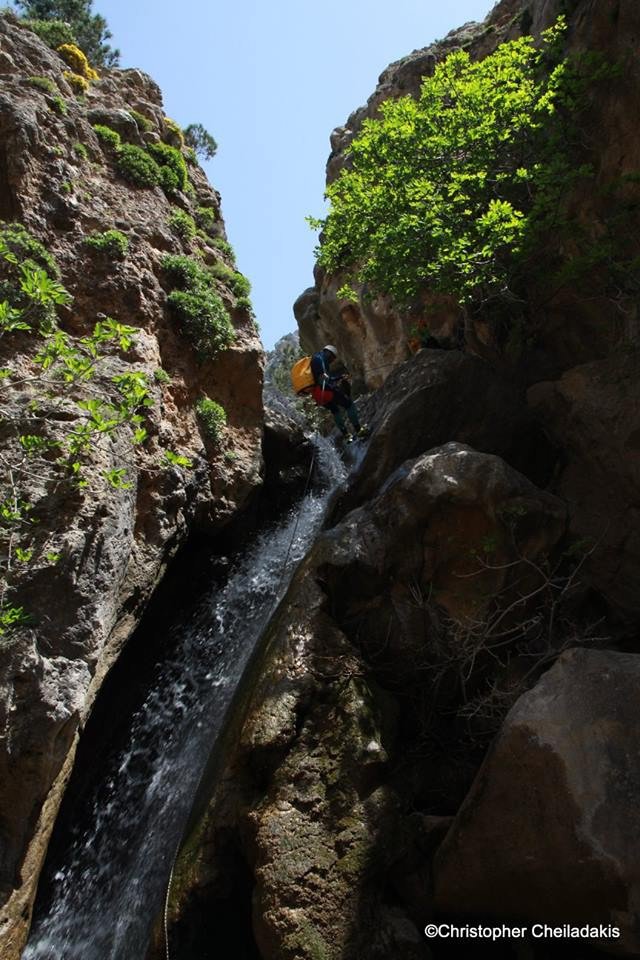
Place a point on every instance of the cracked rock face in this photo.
(114, 544)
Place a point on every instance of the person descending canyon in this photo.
(334, 393)
(311, 376)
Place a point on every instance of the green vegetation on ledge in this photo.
(183, 224)
(136, 166)
(30, 288)
(213, 418)
(159, 164)
(52, 32)
(114, 243)
(198, 306)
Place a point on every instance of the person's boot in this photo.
(363, 431)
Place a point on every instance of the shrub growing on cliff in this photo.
(144, 123)
(452, 190)
(135, 165)
(78, 84)
(30, 288)
(173, 168)
(225, 248)
(58, 105)
(44, 84)
(206, 219)
(112, 242)
(173, 133)
(76, 59)
(183, 224)
(52, 32)
(213, 418)
(236, 281)
(110, 138)
(198, 306)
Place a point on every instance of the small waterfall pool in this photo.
(107, 891)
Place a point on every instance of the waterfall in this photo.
(107, 892)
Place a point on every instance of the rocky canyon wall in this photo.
(91, 552)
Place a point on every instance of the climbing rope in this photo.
(266, 618)
(167, 896)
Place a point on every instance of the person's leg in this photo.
(337, 416)
(352, 413)
(341, 399)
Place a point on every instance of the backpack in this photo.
(302, 379)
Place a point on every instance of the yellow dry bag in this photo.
(301, 376)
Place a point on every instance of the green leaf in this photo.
(117, 479)
(177, 460)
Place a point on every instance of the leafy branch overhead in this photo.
(454, 190)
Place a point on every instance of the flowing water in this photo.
(108, 891)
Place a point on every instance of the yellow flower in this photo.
(77, 61)
(78, 83)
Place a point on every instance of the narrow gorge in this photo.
(267, 695)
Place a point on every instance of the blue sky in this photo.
(270, 80)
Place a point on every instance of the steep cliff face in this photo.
(82, 558)
(432, 729)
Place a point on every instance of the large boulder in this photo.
(430, 529)
(549, 831)
(429, 400)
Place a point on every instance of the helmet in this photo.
(331, 349)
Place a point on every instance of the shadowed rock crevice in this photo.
(217, 919)
(8, 205)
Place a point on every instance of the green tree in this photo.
(454, 190)
(90, 29)
(200, 140)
